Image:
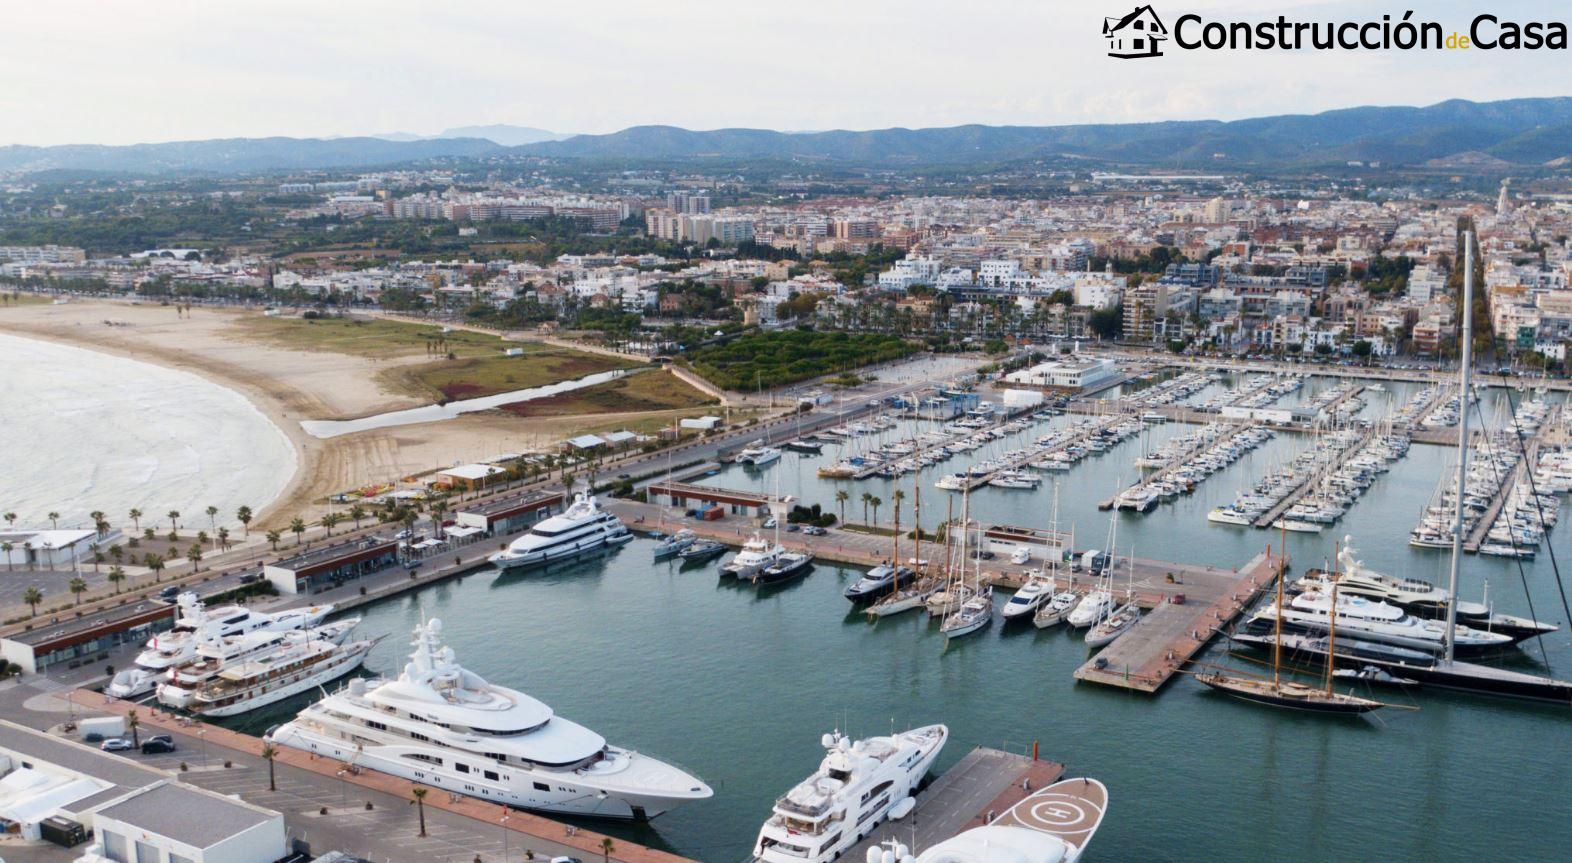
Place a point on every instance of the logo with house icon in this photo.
(1138, 34)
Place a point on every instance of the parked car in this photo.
(169, 594)
(157, 745)
(768, 523)
(116, 744)
(814, 530)
(793, 528)
(251, 578)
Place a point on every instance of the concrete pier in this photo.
(1146, 657)
(984, 781)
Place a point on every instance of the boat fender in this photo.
(903, 808)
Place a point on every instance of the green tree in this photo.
(194, 554)
(268, 754)
(841, 496)
(212, 517)
(356, 513)
(6, 547)
(77, 586)
(867, 498)
(33, 596)
(54, 520)
(297, 527)
(243, 515)
(273, 537)
(174, 521)
(117, 574)
(420, 802)
(136, 518)
(328, 520)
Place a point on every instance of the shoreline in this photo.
(305, 454)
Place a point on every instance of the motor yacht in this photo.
(583, 526)
(196, 625)
(855, 787)
(878, 582)
(213, 657)
(756, 555)
(675, 543)
(1055, 609)
(302, 663)
(1093, 607)
(1037, 590)
(446, 727)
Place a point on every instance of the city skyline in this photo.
(189, 72)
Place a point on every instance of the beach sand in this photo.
(289, 386)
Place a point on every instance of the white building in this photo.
(176, 823)
(52, 549)
(910, 271)
(1074, 374)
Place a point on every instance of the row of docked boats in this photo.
(230, 660)
(1175, 389)
(1334, 491)
(1321, 462)
(1223, 444)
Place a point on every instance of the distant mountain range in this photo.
(1454, 134)
(498, 133)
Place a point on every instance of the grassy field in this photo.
(376, 339)
(9, 299)
(772, 359)
(652, 390)
(474, 377)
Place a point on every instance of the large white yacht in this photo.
(213, 656)
(1053, 825)
(301, 663)
(582, 527)
(196, 625)
(855, 787)
(444, 726)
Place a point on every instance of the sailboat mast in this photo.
(1331, 639)
(1462, 439)
(1277, 624)
(917, 535)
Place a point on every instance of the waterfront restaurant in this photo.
(75, 641)
(322, 568)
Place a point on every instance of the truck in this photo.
(103, 726)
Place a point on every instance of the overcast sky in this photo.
(98, 71)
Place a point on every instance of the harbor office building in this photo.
(330, 566)
(1073, 376)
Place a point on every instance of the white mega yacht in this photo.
(756, 555)
(582, 527)
(196, 625)
(301, 663)
(214, 656)
(855, 787)
(444, 726)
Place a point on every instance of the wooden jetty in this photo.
(1170, 635)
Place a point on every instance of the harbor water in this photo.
(737, 684)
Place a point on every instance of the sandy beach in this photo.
(289, 386)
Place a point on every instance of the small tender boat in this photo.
(701, 550)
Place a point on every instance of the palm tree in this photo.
(201, 537)
(194, 554)
(136, 518)
(328, 520)
(243, 515)
(212, 516)
(116, 575)
(273, 537)
(876, 503)
(54, 520)
(174, 520)
(223, 538)
(78, 587)
(156, 564)
(99, 524)
(606, 847)
(298, 527)
(268, 753)
(10, 519)
(420, 802)
(357, 512)
(840, 499)
(897, 497)
(117, 553)
(133, 722)
(867, 498)
(6, 547)
(438, 507)
(33, 596)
